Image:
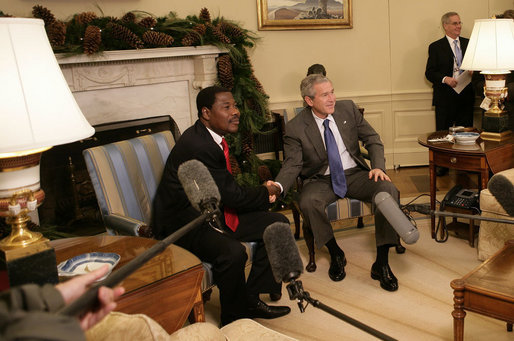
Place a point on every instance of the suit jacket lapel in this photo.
(313, 134)
(340, 122)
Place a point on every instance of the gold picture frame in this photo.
(304, 14)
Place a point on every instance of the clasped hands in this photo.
(273, 190)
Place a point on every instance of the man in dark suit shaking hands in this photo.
(245, 211)
(443, 67)
(321, 145)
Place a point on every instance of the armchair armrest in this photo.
(126, 226)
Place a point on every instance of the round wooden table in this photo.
(167, 288)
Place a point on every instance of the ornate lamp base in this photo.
(34, 263)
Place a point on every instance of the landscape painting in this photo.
(304, 14)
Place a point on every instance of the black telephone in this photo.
(462, 198)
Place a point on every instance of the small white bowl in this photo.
(87, 262)
(466, 137)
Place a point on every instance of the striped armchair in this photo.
(125, 176)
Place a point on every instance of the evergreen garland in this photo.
(88, 33)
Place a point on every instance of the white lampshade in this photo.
(491, 46)
(37, 108)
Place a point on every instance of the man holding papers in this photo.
(453, 96)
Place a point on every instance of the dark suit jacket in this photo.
(306, 154)
(440, 65)
(172, 208)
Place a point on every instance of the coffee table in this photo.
(482, 157)
(167, 288)
(487, 290)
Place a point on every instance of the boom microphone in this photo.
(283, 253)
(391, 211)
(200, 188)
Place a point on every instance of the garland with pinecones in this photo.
(88, 33)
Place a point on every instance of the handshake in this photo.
(273, 190)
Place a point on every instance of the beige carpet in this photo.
(419, 310)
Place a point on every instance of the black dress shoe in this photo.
(386, 277)
(400, 248)
(440, 171)
(275, 297)
(264, 311)
(336, 271)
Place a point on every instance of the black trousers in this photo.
(228, 257)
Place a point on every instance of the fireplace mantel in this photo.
(129, 84)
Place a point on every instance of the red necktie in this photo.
(231, 218)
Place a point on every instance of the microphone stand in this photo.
(89, 298)
(424, 210)
(295, 290)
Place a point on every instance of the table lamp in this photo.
(37, 111)
(491, 51)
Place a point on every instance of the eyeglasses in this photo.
(457, 23)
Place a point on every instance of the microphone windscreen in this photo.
(283, 253)
(198, 183)
(391, 211)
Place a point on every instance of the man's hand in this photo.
(377, 173)
(75, 287)
(273, 190)
(450, 81)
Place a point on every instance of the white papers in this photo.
(462, 81)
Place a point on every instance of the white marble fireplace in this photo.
(123, 85)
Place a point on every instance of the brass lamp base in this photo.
(35, 263)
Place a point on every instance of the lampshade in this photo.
(491, 46)
(37, 108)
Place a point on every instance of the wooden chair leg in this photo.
(309, 240)
(296, 218)
(360, 223)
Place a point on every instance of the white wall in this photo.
(379, 63)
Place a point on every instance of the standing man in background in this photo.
(443, 68)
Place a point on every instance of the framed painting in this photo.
(304, 14)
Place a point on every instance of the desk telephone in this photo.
(462, 198)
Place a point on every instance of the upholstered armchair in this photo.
(125, 176)
(496, 202)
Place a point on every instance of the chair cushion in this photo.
(348, 208)
(492, 236)
(125, 174)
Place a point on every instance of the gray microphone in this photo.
(283, 253)
(200, 188)
(391, 211)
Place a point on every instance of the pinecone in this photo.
(193, 37)
(148, 22)
(44, 13)
(85, 18)
(230, 30)
(234, 165)
(225, 75)
(157, 38)
(129, 17)
(216, 32)
(92, 39)
(122, 33)
(247, 143)
(205, 15)
(56, 33)
(258, 84)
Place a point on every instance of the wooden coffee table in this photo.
(167, 288)
(482, 157)
(487, 290)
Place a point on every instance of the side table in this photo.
(482, 157)
(167, 288)
(487, 290)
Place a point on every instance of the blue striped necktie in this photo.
(334, 161)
